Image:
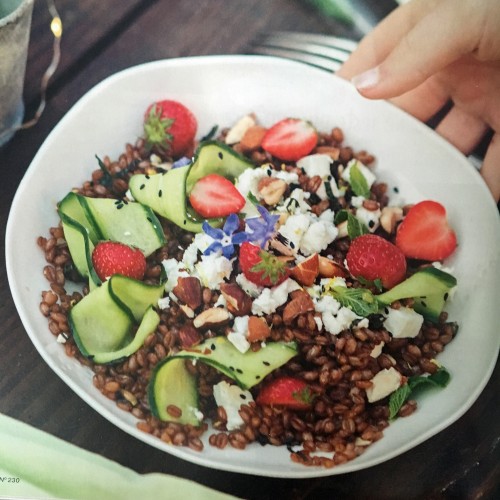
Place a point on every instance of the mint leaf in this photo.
(355, 227)
(399, 397)
(252, 198)
(360, 300)
(358, 182)
(340, 216)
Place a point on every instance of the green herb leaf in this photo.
(355, 227)
(358, 182)
(107, 179)
(360, 300)
(252, 198)
(398, 399)
(340, 216)
(401, 395)
(211, 134)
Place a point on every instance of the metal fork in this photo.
(322, 51)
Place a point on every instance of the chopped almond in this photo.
(252, 138)
(258, 329)
(306, 271)
(330, 269)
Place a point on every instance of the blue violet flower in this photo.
(263, 227)
(226, 238)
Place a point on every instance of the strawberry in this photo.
(306, 271)
(215, 196)
(371, 257)
(170, 127)
(261, 267)
(286, 391)
(425, 233)
(290, 139)
(110, 257)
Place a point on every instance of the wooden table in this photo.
(99, 39)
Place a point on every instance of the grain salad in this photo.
(258, 286)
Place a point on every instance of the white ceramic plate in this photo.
(219, 90)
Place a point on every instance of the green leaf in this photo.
(360, 300)
(252, 198)
(358, 182)
(398, 399)
(340, 216)
(400, 396)
(355, 227)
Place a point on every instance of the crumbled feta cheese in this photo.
(61, 338)
(364, 323)
(164, 302)
(231, 397)
(197, 413)
(296, 203)
(213, 269)
(293, 229)
(403, 322)
(271, 298)
(174, 270)
(357, 201)
(221, 301)
(365, 171)
(317, 237)
(377, 350)
(248, 286)
(239, 333)
(370, 218)
(335, 317)
(384, 383)
(316, 164)
(238, 130)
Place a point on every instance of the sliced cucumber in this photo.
(99, 324)
(102, 322)
(80, 247)
(173, 384)
(166, 194)
(135, 295)
(127, 222)
(214, 157)
(72, 206)
(429, 287)
(148, 324)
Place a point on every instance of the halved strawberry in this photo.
(286, 391)
(261, 267)
(306, 271)
(371, 258)
(290, 139)
(215, 196)
(170, 127)
(425, 233)
(110, 257)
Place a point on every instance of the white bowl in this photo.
(219, 90)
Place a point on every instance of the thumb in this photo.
(439, 38)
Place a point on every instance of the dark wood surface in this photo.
(99, 39)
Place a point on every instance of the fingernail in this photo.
(367, 79)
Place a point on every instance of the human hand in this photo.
(430, 51)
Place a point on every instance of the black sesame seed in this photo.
(231, 368)
(446, 295)
(149, 219)
(185, 221)
(371, 223)
(142, 186)
(269, 172)
(386, 310)
(395, 189)
(257, 377)
(147, 176)
(212, 347)
(266, 363)
(160, 192)
(292, 244)
(238, 370)
(119, 206)
(221, 156)
(424, 304)
(242, 396)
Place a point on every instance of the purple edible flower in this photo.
(181, 162)
(263, 227)
(226, 238)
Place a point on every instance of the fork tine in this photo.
(312, 60)
(323, 51)
(340, 43)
